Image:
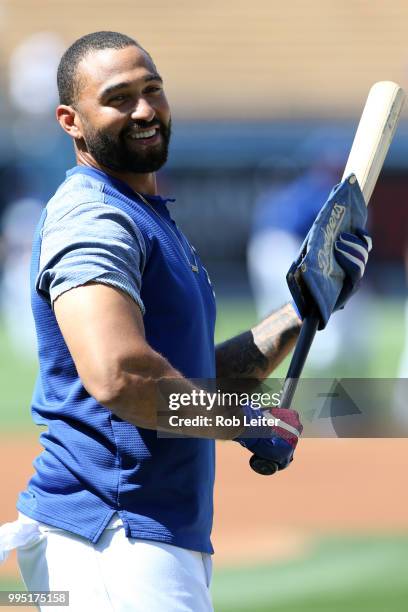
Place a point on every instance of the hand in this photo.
(333, 255)
(351, 252)
(276, 443)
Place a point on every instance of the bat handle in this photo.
(266, 467)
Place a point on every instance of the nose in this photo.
(143, 111)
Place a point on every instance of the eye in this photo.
(153, 89)
(118, 98)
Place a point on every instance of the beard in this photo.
(117, 153)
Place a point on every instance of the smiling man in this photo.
(116, 515)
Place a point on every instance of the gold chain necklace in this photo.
(193, 266)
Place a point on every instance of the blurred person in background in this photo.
(400, 404)
(35, 172)
(33, 95)
(18, 224)
(282, 218)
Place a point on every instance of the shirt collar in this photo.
(116, 183)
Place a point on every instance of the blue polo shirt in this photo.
(94, 464)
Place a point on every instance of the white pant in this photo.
(118, 573)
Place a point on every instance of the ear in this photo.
(69, 120)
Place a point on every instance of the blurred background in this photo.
(265, 99)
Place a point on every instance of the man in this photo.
(119, 516)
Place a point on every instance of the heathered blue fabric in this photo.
(90, 241)
(93, 463)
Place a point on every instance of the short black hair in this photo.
(67, 81)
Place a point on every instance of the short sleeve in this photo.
(92, 242)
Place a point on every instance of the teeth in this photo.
(145, 134)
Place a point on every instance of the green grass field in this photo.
(339, 575)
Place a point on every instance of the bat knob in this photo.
(265, 467)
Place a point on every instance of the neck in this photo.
(141, 183)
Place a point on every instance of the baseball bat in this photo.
(371, 142)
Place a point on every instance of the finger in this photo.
(288, 425)
(355, 245)
(285, 451)
(352, 265)
(350, 251)
(365, 236)
(288, 416)
(276, 449)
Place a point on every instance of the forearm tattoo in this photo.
(239, 357)
(257, 352)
